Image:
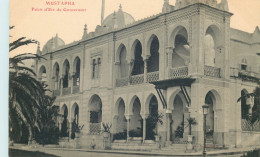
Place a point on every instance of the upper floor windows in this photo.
(76, 72)
(65, 74)
(96, 66)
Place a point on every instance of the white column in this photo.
(61, 85)
(144, 117)
(169, 51)
(71, 82)
(168, 113)
(128, 126)
(145, 70)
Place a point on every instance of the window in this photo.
(93, 68)
(244, 64)
(96, 66)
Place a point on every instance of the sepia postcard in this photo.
(134, 78)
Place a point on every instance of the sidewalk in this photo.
(233, 151)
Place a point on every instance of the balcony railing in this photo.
(66, 91)
(120, 82)
(152, 76)
(212, 71)
(248, 126)
(235, 72)
(75, 89)
(94, 128)
(179, 72)
(137, 79)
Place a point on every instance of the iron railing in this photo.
(152, 76)
(94, 128)
(212, 71)
(120, 82)
(179, 72)
(137, 79)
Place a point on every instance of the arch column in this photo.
(130, 64)
(144, 117)
(168, 114)
(145, 69)
(114, 125)
(127, 126)
(61, 85)
(70, 127)
(71, 82)
(169, 51)
(60, 122)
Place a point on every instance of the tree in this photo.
(256, 109)
(190, 121)
(27, 98)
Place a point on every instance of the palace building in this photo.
(147, 77)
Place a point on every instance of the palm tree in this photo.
(256, 109)
(26, 93)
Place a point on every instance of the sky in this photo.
(42, 26)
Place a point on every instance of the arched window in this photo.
(56, 73)
(98, 67)
(42, 74)
(123, 63)
(209, 50)
(153, 61)
(138, 67)
(76, 77)
(66, 70)
(94, 64)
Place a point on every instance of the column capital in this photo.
(144, 116)
(130, 61)
(168, 111)
(146, 57)
(128, 117)
(169, 50)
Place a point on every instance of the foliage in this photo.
(136, 133)
(64, 128)
(179, 131)
(75, 128)
(190, 121)
(106, 127)
(256, 109)
(49, 133)
(28, 102)
(254, 153)
(151, 125)
(120, 135)
(248, 78)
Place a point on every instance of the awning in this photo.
(164, 84)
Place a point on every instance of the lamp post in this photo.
(205, 112)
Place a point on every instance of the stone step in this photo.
(176, 148)
(134, 146)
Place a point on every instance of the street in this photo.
(72, 153)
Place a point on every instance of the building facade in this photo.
(109, 76)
